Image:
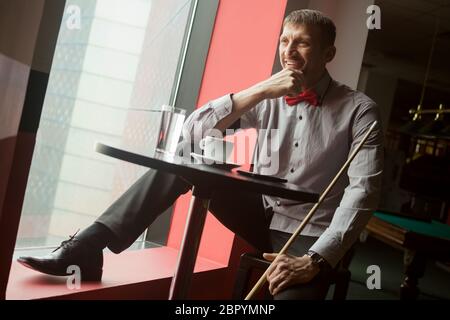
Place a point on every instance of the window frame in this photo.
(186, 89)
(184, 93)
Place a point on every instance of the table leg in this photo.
(191, 240)
(414, 264)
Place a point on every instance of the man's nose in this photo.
(290, 48)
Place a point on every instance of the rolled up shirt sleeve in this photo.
(201, 122)
(362, 194)
(205, 118)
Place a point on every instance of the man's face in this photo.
(301, 48)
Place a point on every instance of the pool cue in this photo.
(263, 279)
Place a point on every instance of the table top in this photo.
(210, 177)
(431, 229)
(431, 239)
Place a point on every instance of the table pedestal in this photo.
(191, 241)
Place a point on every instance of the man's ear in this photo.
(330, 52)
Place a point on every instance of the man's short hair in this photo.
(314, 17)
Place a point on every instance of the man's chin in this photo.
(295, 68)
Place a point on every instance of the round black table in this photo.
(205, 179)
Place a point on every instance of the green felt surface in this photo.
(432, 229)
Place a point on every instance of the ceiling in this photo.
(402, 46)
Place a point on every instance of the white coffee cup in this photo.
(217, 149)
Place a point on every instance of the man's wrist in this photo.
(246, 99)
(259, 91)
(318, 260)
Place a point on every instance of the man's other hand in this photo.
(288, 270)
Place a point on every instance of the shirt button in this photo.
(296, 144)
(300, 117)
(292, 170)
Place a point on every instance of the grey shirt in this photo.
(308, 147)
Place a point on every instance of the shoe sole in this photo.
(91, 276)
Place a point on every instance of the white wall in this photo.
(350, 18)
(381, 88)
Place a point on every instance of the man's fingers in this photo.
(292, 73)
(270, 271)
(270, 256)
(283, 285)
(274, 281)
(272, 285)
(297, 81)
(273, 271)
(297, 74)
(279, 282)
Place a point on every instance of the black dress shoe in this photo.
(72, 252)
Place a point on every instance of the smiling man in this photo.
(317, 122)
(306, 46)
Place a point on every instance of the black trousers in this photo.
(155, 191)
(241, 212)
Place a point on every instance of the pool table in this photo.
(420, 240)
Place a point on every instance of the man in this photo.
(318, 122)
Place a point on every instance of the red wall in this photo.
(241, 53)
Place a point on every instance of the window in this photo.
(122, 57)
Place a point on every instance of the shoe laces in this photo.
(68, 242)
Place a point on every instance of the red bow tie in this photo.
(308, 96)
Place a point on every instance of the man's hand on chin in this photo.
(289, 270)
(285, 82)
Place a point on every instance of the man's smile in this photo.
(293, 64)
